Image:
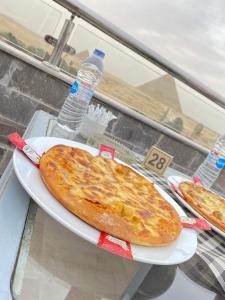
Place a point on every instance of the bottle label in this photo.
(220, 163)
(83, 90)
(217, 161)
(74, 88)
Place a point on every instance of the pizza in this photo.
(109, 196)
(205, 202)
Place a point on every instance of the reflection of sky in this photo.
(198, 109)
(36, 15)
(188, 32)
(118, 61)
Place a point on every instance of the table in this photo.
(207, 266)
(43, 260)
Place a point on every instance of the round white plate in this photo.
(176, 180)
(179, 251)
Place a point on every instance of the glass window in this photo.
(128, 78)
(137, 83)
(25, 23)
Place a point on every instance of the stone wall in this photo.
(25, 89)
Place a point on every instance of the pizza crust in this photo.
(107, 214)
(205, 202)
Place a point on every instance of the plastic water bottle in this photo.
(76, 103)
(210, 169)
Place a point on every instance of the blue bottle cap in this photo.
(99, 53)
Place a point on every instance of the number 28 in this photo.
(157, 161)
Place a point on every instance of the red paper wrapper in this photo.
(197, 180)
(115, 245)
(21, 145)
(106, 151)
(195, 223)
(175, 189)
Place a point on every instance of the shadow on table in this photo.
(198, 271)
(157, 282)
(160, 279)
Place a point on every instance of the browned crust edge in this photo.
(213, 220)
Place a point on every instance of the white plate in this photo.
(179, 251)
(176, 180)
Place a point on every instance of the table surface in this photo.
(53, 263)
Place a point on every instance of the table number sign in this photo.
(157, 160)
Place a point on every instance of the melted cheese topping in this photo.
(210, 205)
(110, 186)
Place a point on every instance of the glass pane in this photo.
(195, 117)
(54, 263)
(140, 85)
(25, 23)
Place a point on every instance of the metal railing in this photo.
(79, 10)
(62, 41)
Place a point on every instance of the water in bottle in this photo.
(210, 169)
(76, 103)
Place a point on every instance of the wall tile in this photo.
(16, 107)
(4, 160)
(183, 154)
(1, 152)
(6, 127)
(38, 84)
(5, 61)
(197, 160)
(220, 182)
(181, 169)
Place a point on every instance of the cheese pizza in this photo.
(205, 202)
(109, 196)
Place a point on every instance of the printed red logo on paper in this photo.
(195, 223)
(21, 145)
(106, 151)
(115, 245)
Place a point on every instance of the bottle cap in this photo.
(99, 53)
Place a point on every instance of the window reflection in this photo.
(26, 31)
(138, 84)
